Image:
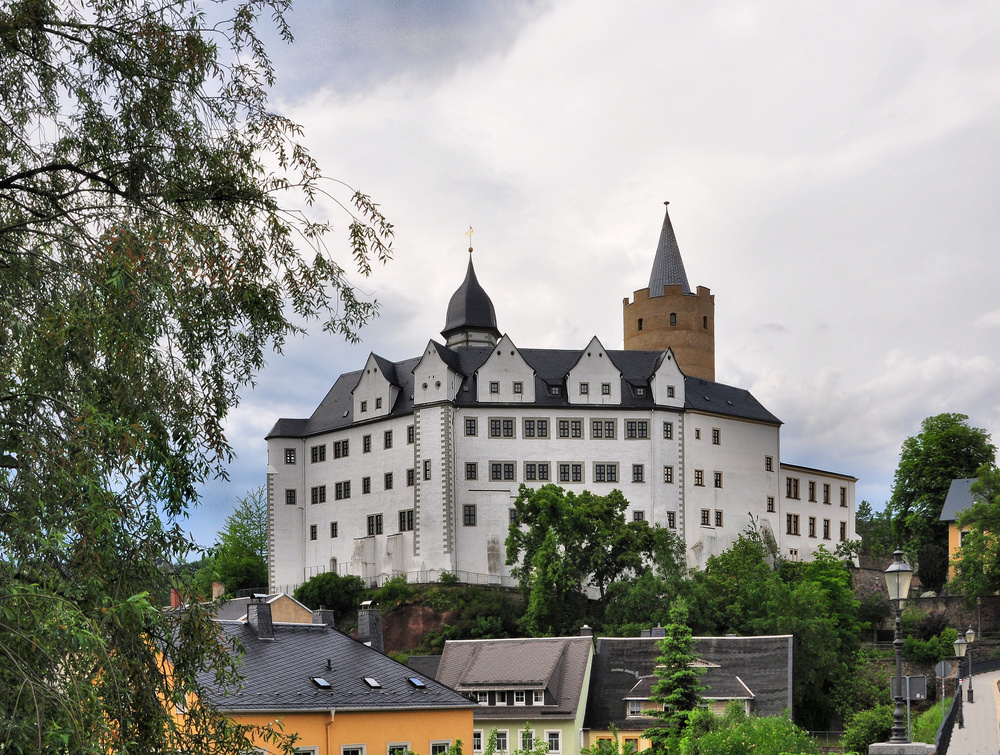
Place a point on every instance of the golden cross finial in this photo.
(469, 234)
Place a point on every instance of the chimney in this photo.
(370, 626)
(259, 617)
(586, 631)
(324, 616)
(218, 590)
(175, 598)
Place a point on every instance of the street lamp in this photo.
(897, 581)
(961, 646)
(970, 637)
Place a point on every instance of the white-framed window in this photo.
(440, 747)
(539, 697)
(397, 748)
(527, 739)
(502, 745)
(352, 750)
(519, 699)
(554, 741)
(477, 741)
(634, 708)
(483, 698)
(306, 750)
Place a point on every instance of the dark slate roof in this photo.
(556, 664)
(959, 498)
(236, 608)
(668, 267)
(278, 674)
(623, 668)
(425, 664)
(470, 307)
(550, 365)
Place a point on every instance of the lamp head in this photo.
(898, 577)
(970, 635)
(960, 646)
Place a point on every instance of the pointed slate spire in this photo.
(668, 267)
(470, 310)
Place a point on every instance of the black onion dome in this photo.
(470, 308)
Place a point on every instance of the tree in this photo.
(875, 530)
(677, 687)
(561, 542)
(239, 559)
(150, 237)
(946, 448)
(340, 594)
(977, 564)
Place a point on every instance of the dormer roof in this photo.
(668, 267)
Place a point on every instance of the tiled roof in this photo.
(623, 668)
(278, 674)
(556, 664)
(336, 411)
(668, 267)
(470, 307)
(959, 498)
(236, 608)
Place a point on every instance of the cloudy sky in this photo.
(833, 171)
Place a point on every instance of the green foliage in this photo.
(933, 649)
(926, 725)
(239, 559)
(875, 530)
(150, 226)
(340, 594)
(946, 448)
(738, 734)
(867, 727)
(677, 686)
(864, 688)
(393, 592)
(613, 746)
(448, 578)
(977, 564)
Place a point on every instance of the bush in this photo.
(393, 592)
(926, 725)
(770, 735)
(340, 594)
(931, 624)
(867, 727)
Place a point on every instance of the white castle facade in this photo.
(413, 467)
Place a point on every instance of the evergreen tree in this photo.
(677, 687)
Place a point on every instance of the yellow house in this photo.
(959, 498)
(341, 697)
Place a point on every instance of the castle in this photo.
(412, 467)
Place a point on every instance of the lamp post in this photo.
(897, 581)
(970, 637)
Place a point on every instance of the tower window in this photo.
(673, 319)
(704, 322)
(640, 323)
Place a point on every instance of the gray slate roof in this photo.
(959, 498)
(277, 674)
(556, 664)
(624, 666)
(336, 411)
(668, 267)
(470, 307)
(236, 608)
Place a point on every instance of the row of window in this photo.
(583, 389)
(342, 448)
(542, 471)
(553, 740)
(438, 747)
(792, 491)
(792, 527)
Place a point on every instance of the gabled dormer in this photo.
(436, 378)
(505, 378)
(377, 389)
(594, 379)
(668, 381)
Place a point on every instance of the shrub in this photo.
(393, 592)
(931, 624)
(447, 578)
(770, 735)
(340, 594)
(926, 725)
(867, 727)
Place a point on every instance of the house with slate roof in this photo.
(412, 467)
(959, 498)
(755, 671)
(340, 696)
(538, 683)
(284, 608)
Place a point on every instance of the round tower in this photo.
(669, 314)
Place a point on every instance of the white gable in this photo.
(433, 380)
(594, 379)
(668, 380)
(505, 378)
(374, 395)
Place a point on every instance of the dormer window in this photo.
(640, 391)
(670, 391)
(634, 708)
(539, 697)
(553, 390)
(519, 697)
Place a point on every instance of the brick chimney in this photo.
(175, 598)
(324, 616)
(218, 590)
(259, 616)
(370, 626)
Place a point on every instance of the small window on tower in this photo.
(673, 319)
(640, 323)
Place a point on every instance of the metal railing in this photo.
(422, 577)
(954, 714)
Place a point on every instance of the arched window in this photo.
(673, 319)
(333, 566)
